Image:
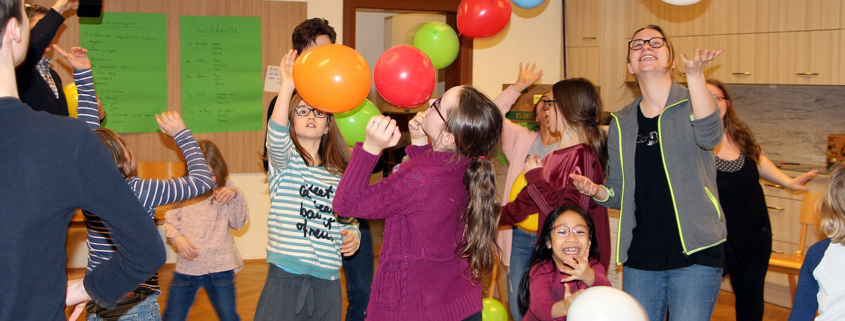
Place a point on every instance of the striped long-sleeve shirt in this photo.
(303, 229)
(87, 102)
(151, 192)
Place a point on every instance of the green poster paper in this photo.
(128, 53)
(222, 82)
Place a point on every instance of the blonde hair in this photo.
(117, 148)
(831, 206)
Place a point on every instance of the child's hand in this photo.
(532, 162)
(382, 133)
(170, 123)
(224, 195)
(527, 77)
(580, 269)
(561, 308)
(695, 66)
(350, 243)
(286, 70)
(584, 185)
(77, 58)
(418, 136)
(186, 248)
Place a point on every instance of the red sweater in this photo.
(419, 276)
(546, 289)
(550, 187)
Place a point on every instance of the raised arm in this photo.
(87, 107)
(278, 142)
(105, 194)
(510, 131)
(700, 98)
(280, 111)
(357, 198)
(155, 192)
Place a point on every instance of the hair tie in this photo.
(593, 124)
(482, 157)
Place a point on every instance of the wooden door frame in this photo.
(459, 72)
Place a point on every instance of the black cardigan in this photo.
(33, 89)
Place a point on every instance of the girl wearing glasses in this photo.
(440, 208)
(573, 113)
(565, 263)
(740, 164)
(671, 226)
(307, 155)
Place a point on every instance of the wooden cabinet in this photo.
(808, 58)
(800, 15)
(583, 62)
(581, 22)
(745, 16)
(748, 59)
(691, 20)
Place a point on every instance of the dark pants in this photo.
(289, 296)
(748, 281)
(220, 287)
(474, 317)
(359, 275)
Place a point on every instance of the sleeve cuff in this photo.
(534, 175)
(610, 194)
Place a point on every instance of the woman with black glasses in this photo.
(662, 177)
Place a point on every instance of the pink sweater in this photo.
(419, 276)
(516, 142)
(547, 289)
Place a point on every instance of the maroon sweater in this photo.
(419, 276)
(550, 187)
(547, 289)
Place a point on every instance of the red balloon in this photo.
(404, 76)
(483, 18)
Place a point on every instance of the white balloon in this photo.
(681, 2)
(604, 303)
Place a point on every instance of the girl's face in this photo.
(720, 99)
(554, 122)
(213, 177)
(434, 125)
(576, 243)
(540, 113)
(309, 123)
(648, 58)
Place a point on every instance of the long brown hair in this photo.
(831, 205)
(116, 146)
(577, 101)
(333, 151)
(476, 124)
(214, 160)
(735, 128)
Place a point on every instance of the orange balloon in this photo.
(333, 78)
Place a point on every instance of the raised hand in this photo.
(351, 242)
(579, 268)
(382, 133)
(527, 77)
(286, 69)
(170, 123)
(186, 248)
(695, 67)
(64, 5)
(532, 162)
(418, 136)
(77, 57)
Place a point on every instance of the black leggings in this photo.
(748, 281)
(474, 317)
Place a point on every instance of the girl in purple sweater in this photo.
(565, 263)
(440, 208)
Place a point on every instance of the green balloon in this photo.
(493, 310)
(353, 123)
(439, 41)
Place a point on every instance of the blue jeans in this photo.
(689, 293)
(359, 275)
(142, 307)
(521, 250)
(220, 287)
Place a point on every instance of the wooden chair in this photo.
(790, 264)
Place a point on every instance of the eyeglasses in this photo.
(563, 230)
(547, 103)
(304, 111)
(719, 98)
(655, 42)
(436, 106)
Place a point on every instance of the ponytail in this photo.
(481, 217)
(597, 139)
(580, 105)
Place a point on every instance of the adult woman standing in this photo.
(662, 177)
(740, 164)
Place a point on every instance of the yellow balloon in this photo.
(72, 99)
(532, 221)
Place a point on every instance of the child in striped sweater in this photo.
(307, 155)
(151, 192)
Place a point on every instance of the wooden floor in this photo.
(250, 281)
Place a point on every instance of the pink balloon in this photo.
(483, 18)
(404, 76)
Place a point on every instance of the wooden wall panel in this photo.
(241, 149)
